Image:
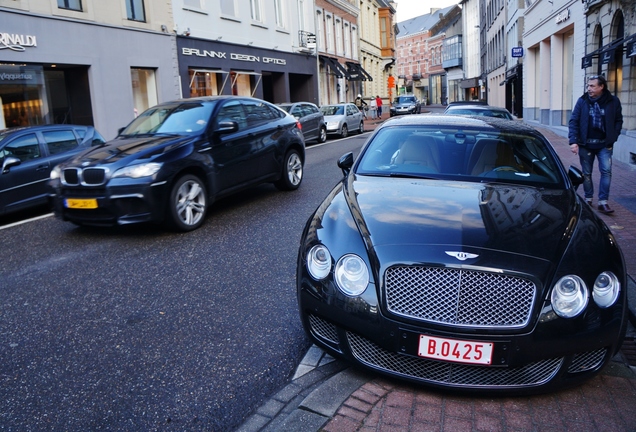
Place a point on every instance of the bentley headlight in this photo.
(56, 173)
(606, 289)
(319, 262)
(569, 296)
(352, 275)
(138, 171)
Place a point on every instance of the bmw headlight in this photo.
(606, 289)
(138, 171)
(56, 173)
(351, 275)
(569, 296)
(318, 262)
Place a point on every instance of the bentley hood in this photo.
(460, 217)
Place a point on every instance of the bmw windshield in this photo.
(172, 119)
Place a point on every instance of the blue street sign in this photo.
(517, 51)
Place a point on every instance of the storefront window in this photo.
(568, 73)
(144, 89)
(206, 82)
(244, 83)
(22, 96)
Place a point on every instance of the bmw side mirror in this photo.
(345, 163)
(576, 176)
(226, 127)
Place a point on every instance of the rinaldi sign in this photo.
(17, 42)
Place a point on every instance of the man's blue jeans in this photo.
(604, 156)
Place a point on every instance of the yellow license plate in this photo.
(76, 203)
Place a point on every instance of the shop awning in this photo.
(630, 46)
(606, 54)
(358, 73)
(336, 67)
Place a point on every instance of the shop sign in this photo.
(16, 42)
(517, 51)
(563, 16)
(233, 56)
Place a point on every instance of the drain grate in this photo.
(629, 350)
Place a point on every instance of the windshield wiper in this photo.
(401, 175)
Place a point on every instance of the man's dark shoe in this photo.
(606, 209)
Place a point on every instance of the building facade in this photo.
(88, 62)
(264, 52)
(377, 46)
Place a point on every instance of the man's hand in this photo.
(574, 148)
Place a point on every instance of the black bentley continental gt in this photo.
(176, 158)
(456, 253)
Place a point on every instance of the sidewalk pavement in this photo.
(329, 395)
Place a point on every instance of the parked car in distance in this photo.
(174, 160)
(343, 118)
(311, 120)
(478, 109)
(456, 253)
(29, 153)
(405, 104)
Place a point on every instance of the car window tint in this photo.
(60, 141)
(467, 155)
(97, 139)
(190, 117)
(258, 112)
(24, 148)
(297, 111)
(232, 111)
(330, 110)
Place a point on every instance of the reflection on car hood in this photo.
(147, 147)
(506, 218)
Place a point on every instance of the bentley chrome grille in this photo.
(452, 373)
(587, 361)
(325, 330)
(459, 297)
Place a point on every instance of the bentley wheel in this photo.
(188, 203)
(292, 173)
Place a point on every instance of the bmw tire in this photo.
(188, 203)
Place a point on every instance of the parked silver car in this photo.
(311, 120)
(342, 118)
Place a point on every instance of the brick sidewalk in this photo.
(606, 403)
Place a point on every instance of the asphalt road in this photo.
(137, 328)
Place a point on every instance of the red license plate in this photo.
(456, 350)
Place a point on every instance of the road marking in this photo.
(25, 221)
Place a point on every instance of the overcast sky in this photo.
(407, 9)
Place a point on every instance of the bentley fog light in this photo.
(569, 296)
(352, 275)
(606, 289)
(138, 171)
(319, 262)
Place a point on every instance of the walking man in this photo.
(594, 127)
(378, 100)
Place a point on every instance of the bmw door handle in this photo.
(42, 168)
